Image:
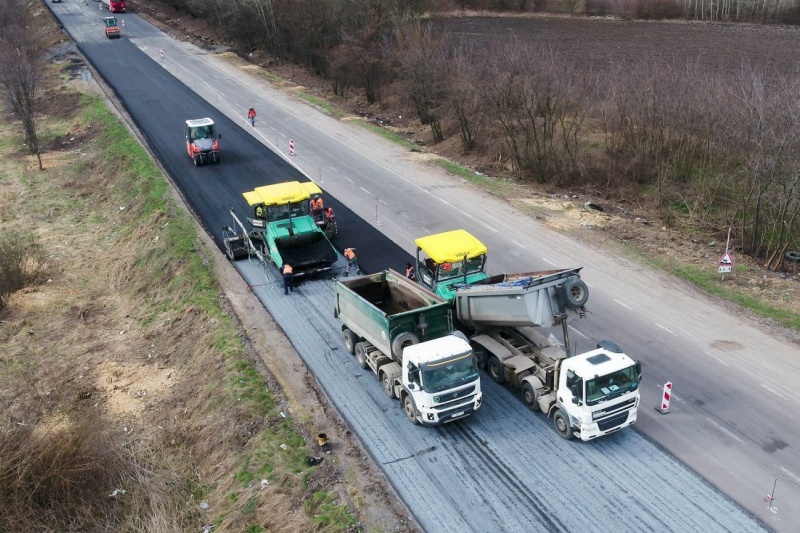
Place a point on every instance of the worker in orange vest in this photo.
(330, 221)
(287, 272)
(251, 116)
(317, 208)
(351, 255)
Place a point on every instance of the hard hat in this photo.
(316, 197)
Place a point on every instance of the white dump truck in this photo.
(587, 395)
(403, 333)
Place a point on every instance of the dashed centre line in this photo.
(365, 190)
(717, 358)
(666, 329)
(348, 179)
(521, 246)
(623, 305)
(773, 391)
(725, 430)
(548, 261)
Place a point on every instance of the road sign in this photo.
(726, 263)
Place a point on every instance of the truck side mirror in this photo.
(411, 386)
(576, 400)
(639, 370)
(411, 367)
(575, 391)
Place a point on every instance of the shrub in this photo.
(21, 259)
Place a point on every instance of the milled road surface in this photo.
(489, 471)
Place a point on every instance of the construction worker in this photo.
(287, 272)
(317, 208)
(251, 116)
(411, 272)
(260, 211)
(352, 259)
(330, 221)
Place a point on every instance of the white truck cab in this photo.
(597, 393)
(440, 381)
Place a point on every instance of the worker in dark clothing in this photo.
(251, 116)
(330, 221)
(287, 272)
(411, 272)
(351, 255)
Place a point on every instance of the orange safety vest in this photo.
(349, 253)
(287, 269)
(251, 113)
(316, 205)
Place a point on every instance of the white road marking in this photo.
(666, 329)
(333, 169)
(790, 474)
(466, 214)
(518, 244)
(773, 391)
(725, 430)
(548, 261)
(623, 305)
(365, 190)
(491, 228)
(381, 201)
(577, 331)
(348, 179)
(717, 358)
(443, 200)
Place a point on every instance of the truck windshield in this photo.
(446, 375)
(606, 387)
(457, 270)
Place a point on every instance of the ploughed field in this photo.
(598, 41)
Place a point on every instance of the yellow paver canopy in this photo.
(282, 193)
(451, 246)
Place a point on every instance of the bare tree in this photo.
(20, 70)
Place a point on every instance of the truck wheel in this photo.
(361, 354)
(496, 370)
(196, 161)
(577, 292)
(561, 422)
(350, 340)
(411, 411)
(402, 341)
(388, 386)
(530, 396)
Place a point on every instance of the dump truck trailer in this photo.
(587, 395)
(403, 333)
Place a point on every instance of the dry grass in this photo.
(121, 370)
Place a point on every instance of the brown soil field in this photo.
(598, 42)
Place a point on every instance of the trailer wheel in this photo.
(350, 340)
(402, 341)
(411, 411)
(561, 422)
(577, 292)
(530, 396)
(496, 370)
(361, 354)
(388, 386)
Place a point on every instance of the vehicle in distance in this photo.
(111, 27)
(202, 141)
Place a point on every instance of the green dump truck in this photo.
(403, 333)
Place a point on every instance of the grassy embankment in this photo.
(121, 370)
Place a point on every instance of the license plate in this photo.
(456, 415)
